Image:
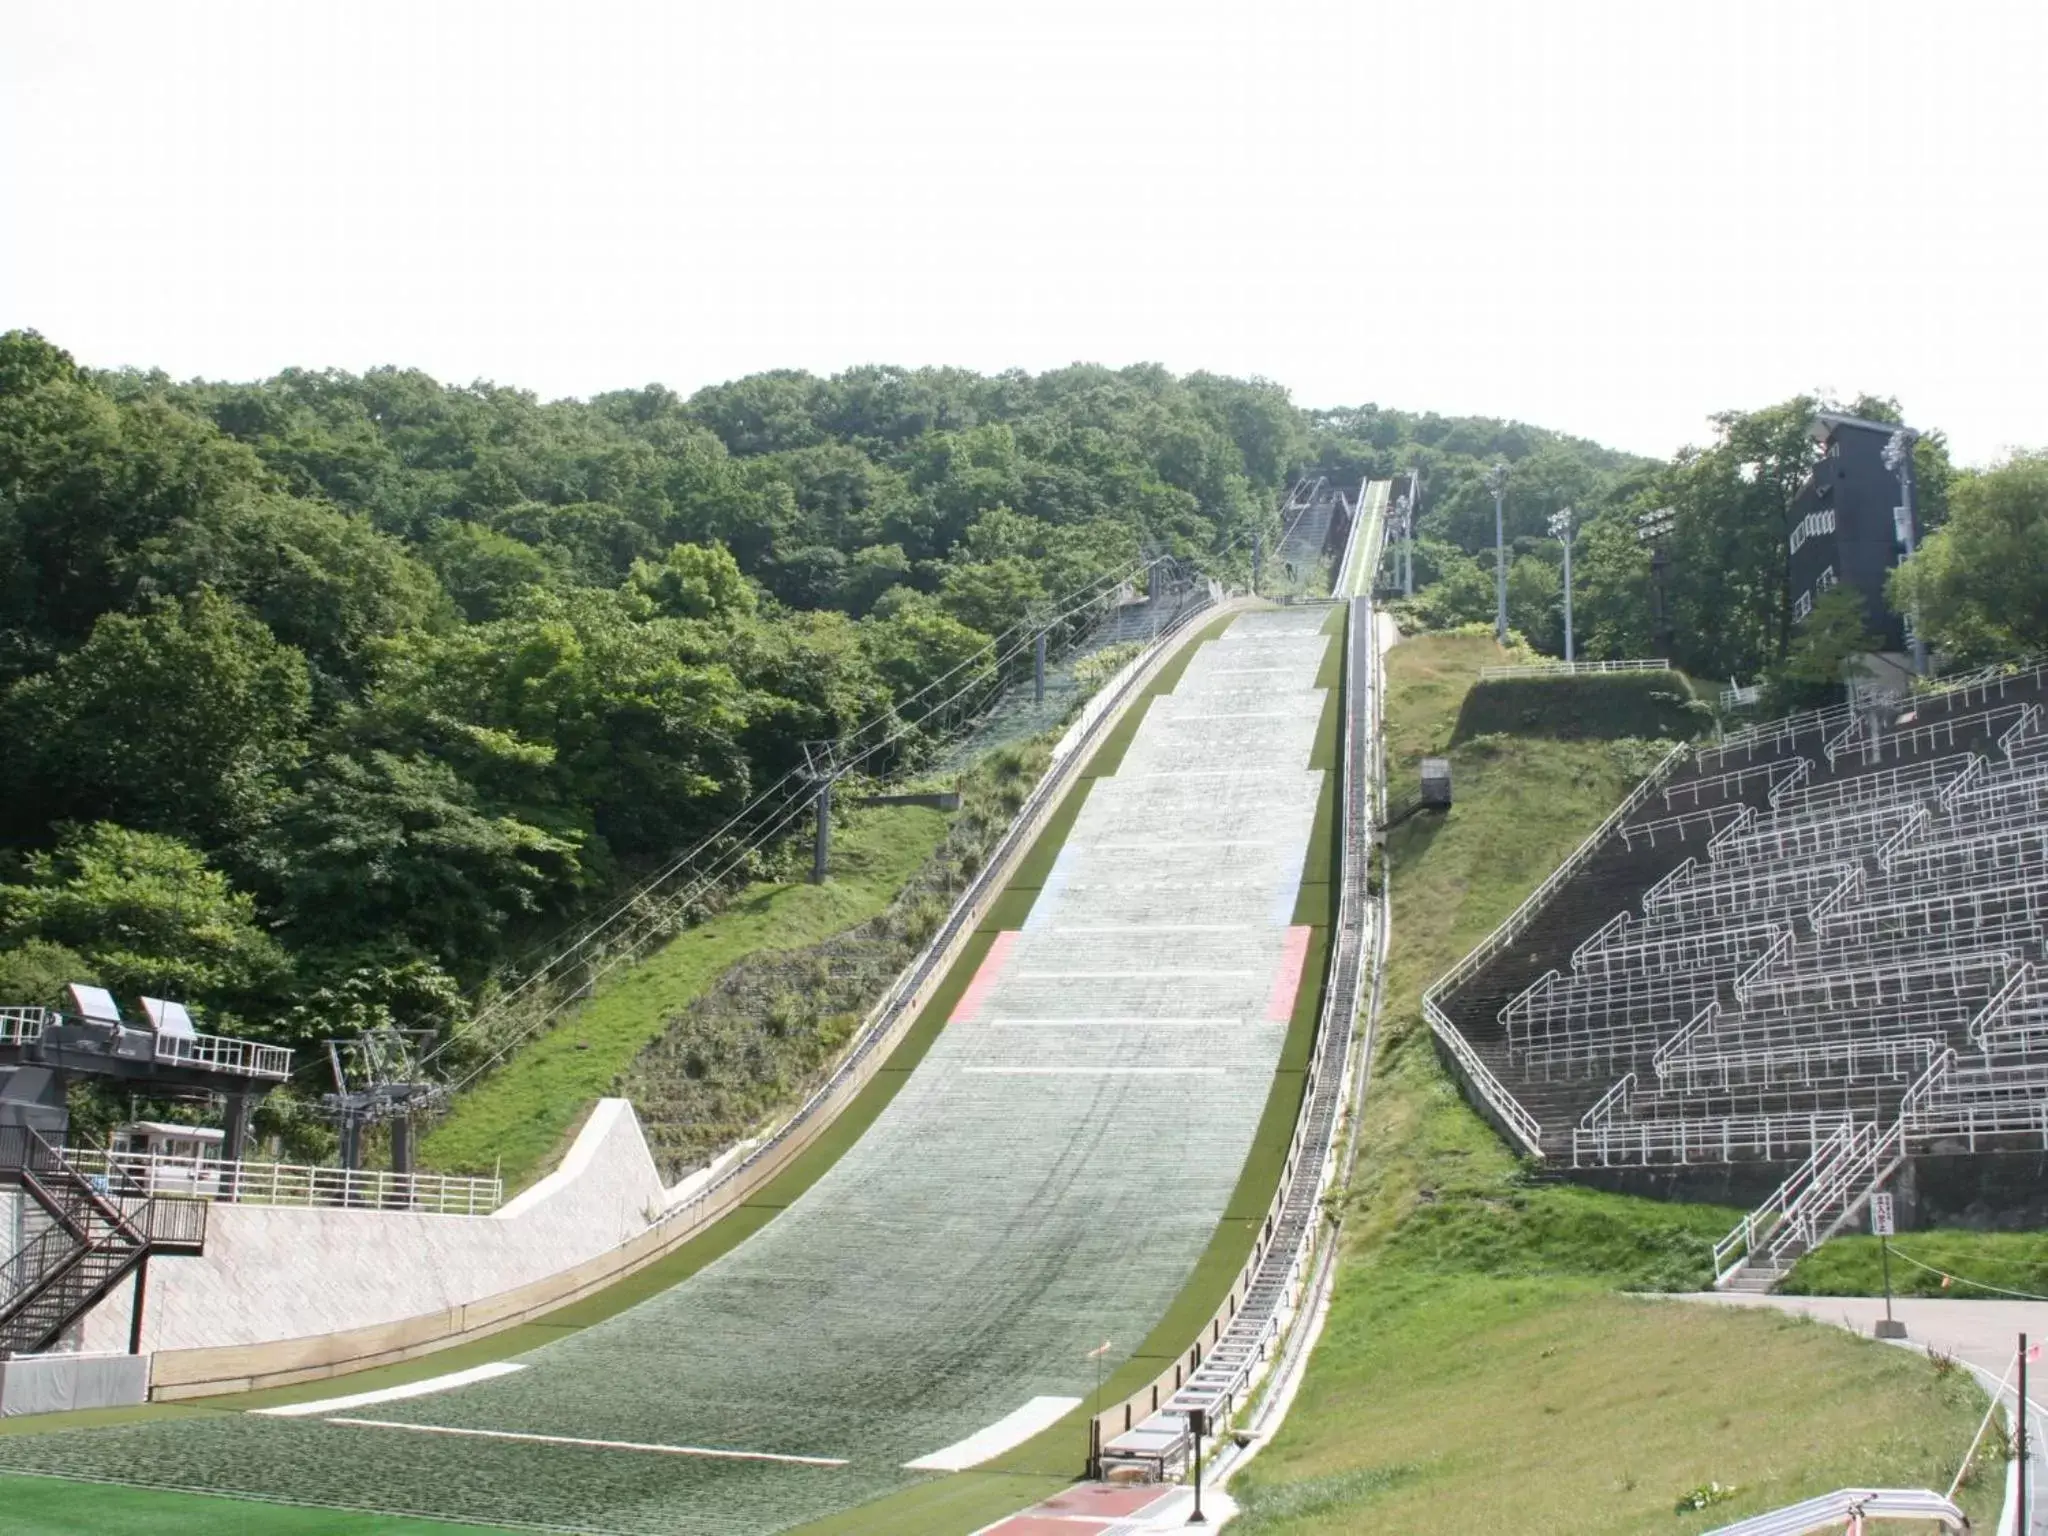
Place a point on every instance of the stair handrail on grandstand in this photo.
(2001, 1001)
(1827, 1190)
(1701, 1023)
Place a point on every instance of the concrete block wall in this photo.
(282, 1272)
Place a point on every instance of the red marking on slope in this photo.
(985, 977)
(1086, 1509)
(1287, 980)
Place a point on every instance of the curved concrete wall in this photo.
(282, 1272)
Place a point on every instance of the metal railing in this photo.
(219, 1053)
(293, 1184)
(1572, 668)
(20, 1026)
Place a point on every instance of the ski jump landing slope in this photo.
(1044, 1181)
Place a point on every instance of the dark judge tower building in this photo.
(1849, 524)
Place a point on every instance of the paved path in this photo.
(1982, 1333)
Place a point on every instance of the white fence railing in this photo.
(293, 1184)
(1571, 668)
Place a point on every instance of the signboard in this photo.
(1881, 1216)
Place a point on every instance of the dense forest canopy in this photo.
(326, 696)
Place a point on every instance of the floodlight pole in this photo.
(1898, 458)
(1561, 529)
(1497, 482)
(2019, 1440)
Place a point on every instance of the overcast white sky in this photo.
(1610, 218)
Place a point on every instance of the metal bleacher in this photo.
(1814, 945)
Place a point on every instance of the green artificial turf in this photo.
(521, 1116)
(223, 1439)
(52, 1506)
(1481, 1368)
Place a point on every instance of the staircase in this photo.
(1811, 1206)
(94, 1235)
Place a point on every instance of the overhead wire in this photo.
(984, 672)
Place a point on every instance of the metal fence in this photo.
(1572, 668)
(291, 1184)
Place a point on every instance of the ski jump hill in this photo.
(1065, 1194)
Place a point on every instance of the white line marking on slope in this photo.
(602, 1445)
(1120, 975)
(1011, 1429)
(432, 1384)
(1096, 1071)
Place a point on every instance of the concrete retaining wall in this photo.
(274, 1272)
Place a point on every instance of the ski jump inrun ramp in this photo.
(1045, 1181)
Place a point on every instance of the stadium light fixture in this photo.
(1497, 482)
(1561, 529)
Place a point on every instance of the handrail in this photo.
(20, 1026)
(245, 1183)
(1512, 925)
(2000, 1001)
(1701, 1023)
(1597, 940)
(1682, 871)
(1748, 1233)
(1850, 885)
(1916, 822)
(1745, 817)
(1562, 668)
(1760, 967)
(1800, 772)
(1506, 1011)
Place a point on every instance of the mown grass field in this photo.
(521, 1116)
(1483, 1366)
(1985, 1265)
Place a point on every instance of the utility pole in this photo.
(1497, 482)
(1258, 551)
(1561, 529)
(1038, 669)
(1898, 458)
(2019, 1441)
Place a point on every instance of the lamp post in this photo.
(1497, 482)
(1561, 529)
(1898, 458)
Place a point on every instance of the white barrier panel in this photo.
(58, 1383)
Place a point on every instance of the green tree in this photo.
(147, 914)
(184, 720)
(1816, 666)
(696, 581)
(1980, 583)
(381, 847)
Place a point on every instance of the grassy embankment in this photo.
(523, 1112)
(1482, 1367)
(1985, 1266)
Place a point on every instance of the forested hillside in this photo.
(327, 696)
(1978, 583)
